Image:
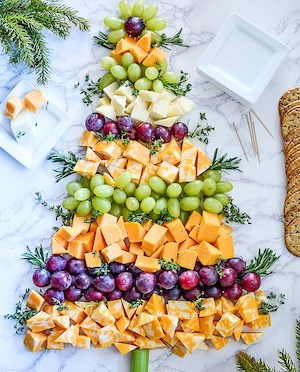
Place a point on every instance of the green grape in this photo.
(113, 22)
(173, 207)
(147, 204)
(132, 203)
(209, 186)
(154, 216)
(119, 196)
(70, 203)
(223, 186)
(193, 188)
(125, 8)
(223, 198)
(157, 185)
(126, 213)
(143, 69)
(184, 216)
(174, 190)
(127, 59)
(110, 199)
(115, 36)
(72, 187)
(142, 192)
(119, 72)
(134, 72)
(101, 204)
(123, 180)
(189, 203)
(156, 24)
(214, 174)
(212, 205)
(162, 67)
(138, 8)
(160, 204)
(151, 73)
(82, 194)
(154, 195)
(170, 77)
(104, 191)
(150, 12)
(130, 189)
(96, 180)
(143, 84)
(116, 210)
(108, 62)
(106, 80)
(84, 208)
(158, 86)
(85, 182)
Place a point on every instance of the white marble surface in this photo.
(259, 190)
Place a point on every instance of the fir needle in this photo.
(239, 138)
(261, 122)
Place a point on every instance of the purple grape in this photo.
(145, 132)
(56, 263)
(116, 268)
(132, 295)
(214, 292)
(75, 266)
(92, 294)
(132, 134)
(135, 271)
(41, 277)
(251, 282)
(110, 128)
(145, 282)
(125, 123)
(189, 280)
(163, 133)
(54, 293)
(73, 293)
(193, 294)
(157, 290)
(173, 294)
(134, 26)
(124, 281)
(168, 279)
(61, 280)
(105, 283)
(198, 266)
(116, 294)
(233, 292)
(208, 275)
(83, 281)
(157, 273)
(227, 277)
(237, 264)
(179, 130)
(94, 122)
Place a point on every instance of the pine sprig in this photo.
(38, 257)
(223, 163)
(201, 133)
(246, 363)
(262, 263)
(180, 88)
(169, 265)
(139, 217)
(233, 214)
(285, 360)
(68, 162)
(173, 40)
(102, 40)
(164, 217)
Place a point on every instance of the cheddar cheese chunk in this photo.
(177, 230)
(102, 315)
(263, 320)
(227, 324)
(111, 149)
(148, 264)
(170, 251)
(250, 338)
(203, 162)
(139, 53)
(92, 259)
(126, 258)
(145, 42)
(149, 171)
(154, 237)
(34, 100)
(122, 324)
(156, 305)
(209, 227)
(124, 348)
(106, 219)
(35, 341)
(187, 259)
(40, 322)
(191, 341)
(208, 254)
(187, 171)
(169, 324)
(88, 139)
(194, 219)
(14, 106)
(191, 324)
(111, 233)
(35, 301)
(86, 168)
(206, 326)
(168, 172)
(135, 231)
(76, 249)
(74, 312)
(137, 152)
(112, 252)
(209, 307)
(188, 151)
(135, 169)
(219, 342)
(62, 321)
(91, 155)
(238, 330)
(247, 307)
(181, 309)
(225, 244)
(83, 342)
(90, 324)
(179, 349)
(99, 241)
(155, 56)
(51, 310)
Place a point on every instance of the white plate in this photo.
(52, 122)
(242, 59)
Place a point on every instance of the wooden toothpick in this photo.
(239, 138)
(261, 122)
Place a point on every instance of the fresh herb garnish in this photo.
(124, 138)
(20, 134)
(101, 270)
(21, 313)
(136, 303)
(164, 217)
(60, 305)
(102, 40)
(262, 263)
(233, 214)
(108, 138)
(155, 145)
(266, 307)
(38, 257)
(89, 91)
(68, 163)
(139, 217)
(55, 228)
(173, 40)
(169, 265)
(201, 133)
(198, 302)
(179, 88)
(93, 218)
(223, 163)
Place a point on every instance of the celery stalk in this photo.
(139, 360)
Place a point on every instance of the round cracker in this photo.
(294, 213)
(292, 201)
(288, 97)
(291, 158)
(292, 167)
(295, 181)
(292, 237)
(291, 136)
(291, 121)
(290, 106)
(289, 146)
(292, 150)
(293, 174)
(286, 113)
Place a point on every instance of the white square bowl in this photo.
(242, 59)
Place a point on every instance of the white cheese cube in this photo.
(107, 111)
(126, 91)
(159, 110)
(186, 104)
(168, 122)
(150, 96)
(23, 127)
(119, 103)
(139, 113)
(175, 109)
(130, 107)
(103, 101)
(168, 95)
(110, 89)
(140, 102)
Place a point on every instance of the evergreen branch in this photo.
(246, 363)
(233, 214)
(38, 257)
(286, 361)
(224, 163)
(179, 88)
(173, 40)
(68, 163)
(298, 342)
(262, 263)
(201, 133)
(102, 40)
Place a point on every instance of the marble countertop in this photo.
(259, 189)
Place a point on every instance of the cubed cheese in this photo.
(167, 122)
(23, 127)
(111, 149)
(159, 109)
(168, 172)
(135, 169)
(34, 100)
(138, 152)
(130, 107)
(14, 106)
(139, 113)
(108, 111)
(119, 103)
(111, 89)
(175, 110)
(150, 96)
(186, 104)
(103, 101)
(126, 91)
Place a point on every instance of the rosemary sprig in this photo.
(68, 163)
(262, 263)
(298, 342)
(60, 306)
(89, 91)
(93, 218)
(21, 313)
(224, 163)
(179, 88)
(198, 302)
(233, 214)
(38, 257)
(102, 40)
(201, 133)
(266, 307)
(173, 40)
(139, 217)
(169, 265)
(155, 145)
(136, 303)
(101, 270)
(164, 217)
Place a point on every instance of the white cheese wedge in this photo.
(175, 110)
(139, 113)
(186, 104)
(110, 89)
(23, 127)
(107, 111)
(167, 122)
(103, 101)
(119, 103)
(159, 110)
(168, 95)
(130, 107)
(126, 91)
(150, 96)
(140, 102)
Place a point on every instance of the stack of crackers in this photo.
(289, 110)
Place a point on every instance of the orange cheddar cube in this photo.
(126, 258)
(130, 311)
(238, 330)
(148, 264)
(51, 341)
(170, 251)
(122, 324)
(87, 241)
(138, 152)
(250, 338)
(126, 336)
(40, 322)
(112, 252)
(35, 342)
(135, 169)
(186, 244)
(62, 321)
(263, 321)
(107, 335)
(60, 239)
(158, 252)
(111, 233)
(203, 162)
(206, 326)
(135, 231)
(209, 227)
(116, 309)
(70, 335)
(134, 327)
(135, 248)
(209, 307)
(14, 106)
(116, 56)
(219, 342)
(99, 241)
(122, 228)
(88, 139)
(187, 171)
(155, 56)
(225, 244)
(88, 323)
(191, 341)
(170, 153)
(83, 342)
(73, 311)
(146, 343)
(106, 219)
(102, 315)
(111, 149)
(191, 324)
(51, 310)
(168, 172)
(194, 219)
(123, 46)
(247, 307)
(169, 324)
(169, 341)
(92, 259)
(194, 233)
(169, 237)
(145, 318)
(208, 254)
(69, 233)
(187, 259)
(227, 306)
(76, 249)
(224, 230)
(145, 42)
(188, 151)
(86, 168)
(154, 237)
(139, 53)
(123, 246)
(181, 309)
(227, 324)
(149, 171)
(35, 301)
(91, 155)
(177, 230)
(179, 349)
(156, 305)
(34, 100)
(153, 330)
(56, 248)
(124, 348)
(109, 180)
(114, 171)
(92, 335)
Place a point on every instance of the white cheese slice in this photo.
(107, 111)
(175, 109)
(103, 101)
(130, 107)
(139, 113)
(159, 110)
(167, 122)
(119, 103)
(110, 89)
(23, 127)
(186, 104)
(126, 91)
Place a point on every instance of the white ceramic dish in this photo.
(52, 122)
(242, 59)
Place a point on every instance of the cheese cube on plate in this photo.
(23, 127)
(159, 110)
(34, 100)
(14, 106)
(126, 91)
(110, 89)
(107, 111)
(119, 103)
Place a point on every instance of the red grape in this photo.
(233, 292)
(168, 279)
(41, 277)
(189, 280)
(56, 263)
(94, 122)
(134, 26)
(198, 266)
(163, 133)
(135, 271)
(105, 283)
(116, 268)
(192, 294)
(83, 281)
(208, 275)
(116, 294)
(110, 128)
(145, 132)
(214, 292)
(251, 282)
(157, 290)
(54, 293)
(173, 294)
(227, 277)
(237, 264)
(73, 293)
(179, 130)
(75, 266)
(132, 134)
(61, 280)
(145, 282)
(132, 295)
(125, 123)
(124, 281)
(92, 294)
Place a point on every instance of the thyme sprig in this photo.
(155, 145)
(89, 91)
(165, 41)
(101, 270)
(68, 162)
(201, 133)
(101, 39)
(38, 257)
(60, 306)
(180, 88)
(272, 304)
(136, 303)
(93, 218)
(198, 302)
(164, 217)
(108, 138)
(233, 214)
(139, 217)
(223, 163)
(262, 263)
(169, 265)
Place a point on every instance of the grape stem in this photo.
(139, 360)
